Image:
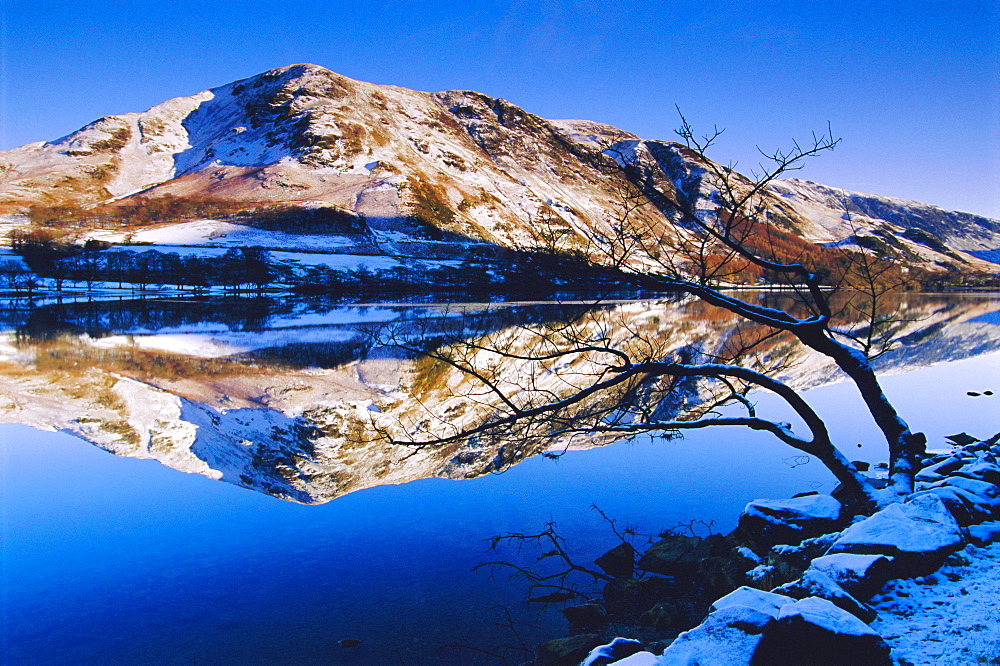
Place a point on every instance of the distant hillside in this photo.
(382, 171)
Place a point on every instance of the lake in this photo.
(293, 530)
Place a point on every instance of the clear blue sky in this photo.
(912, 87)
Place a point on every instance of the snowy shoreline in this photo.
(914, 583)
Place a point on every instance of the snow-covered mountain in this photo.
(414, 167)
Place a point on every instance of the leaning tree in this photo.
(701, 229)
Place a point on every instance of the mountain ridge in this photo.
(413, 165)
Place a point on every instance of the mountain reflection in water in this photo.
(283, 397)
(117, 560)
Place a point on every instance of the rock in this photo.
(619, 561)
(663, 616)
(720, 574)
(973, 485)
(568, 651)
(919, 534)
(815, 631)
(936, 471)
(861, 465)
(982, 471)
(749, 597)
(639, 659)
(585, 615)
(969, 500)
(789, 561)
(633, 596)
(962, 438)
(763, 576)
(985, 533)
(614, 651)
(815, 583)
(804, 552)
(861, 576)
(965, 508)
(767, 522)
(676, 555)
(728, 637)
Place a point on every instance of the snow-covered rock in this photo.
(859, 575)
(938, 470)
(728, 637)
(768, 522)
(815, 631)
(752, 626)
(640, 659)
(816, 583)
(565, 651)
(613, 652)
(973, 485)
(982, 471)
(918, 534)
(967, 507)
(984, 533)
(760, 600)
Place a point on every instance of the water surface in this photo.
(118, 559)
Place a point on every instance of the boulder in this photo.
(728, 637)
(768, 522)
(633, 596)
(973, 484)
(918, 534)
(614, 651)
(815, 583)
(640, 659)
(568, 651)
(585, 615)
(619, 561)
(861, 576)
(721, 573)
(985, 533)
(982, 471)
(939, 469)
(789, 561)
(963, 439)
(676, 555)
(749, 597)
(966, 507)
(815, 631)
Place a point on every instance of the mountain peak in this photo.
(455, 162)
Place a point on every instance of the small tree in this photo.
(716, 229)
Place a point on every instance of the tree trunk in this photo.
(906, 449)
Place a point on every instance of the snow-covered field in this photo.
(949, 617)
(292, 253)
(217, 233)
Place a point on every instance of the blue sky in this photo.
(912, 88)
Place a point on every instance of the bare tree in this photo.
(716, 228)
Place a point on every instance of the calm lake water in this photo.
(124, 559)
